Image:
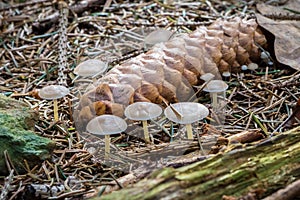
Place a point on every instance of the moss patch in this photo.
(17, 138)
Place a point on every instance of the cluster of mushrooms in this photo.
(88, 68)
(184, 113)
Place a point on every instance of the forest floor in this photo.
(257, 101)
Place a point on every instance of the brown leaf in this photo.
(285, 30)
(294, 118)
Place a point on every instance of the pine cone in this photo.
(167, 72)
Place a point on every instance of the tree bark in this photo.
(260, 169)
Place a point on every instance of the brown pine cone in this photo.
(167, 72)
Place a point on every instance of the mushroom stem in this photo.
(55, 110)
(146, 132)
(189, 131)
(107, 146)
(214, 100)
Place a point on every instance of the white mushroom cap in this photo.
(190, 111)
(226, 74)
(106, 125)
(90, 67)
(264, 55)
(244, 67)
(252, 66)
(157, 36)
(216, 86)
(142, 111)
(53, 92)
(206, 77)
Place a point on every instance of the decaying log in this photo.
(292, 191)
(261, 168)
(167, 72)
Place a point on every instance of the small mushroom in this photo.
(226, 75)
(106, 125)
(143, 111)
(216, 88)
(157, 36)
(252, 66)
(207, 77)
(244, 68)
(54, 92)
(265, 56)
(91, 67)
(190, 112)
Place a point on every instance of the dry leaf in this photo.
(286, 32)
(294, 117)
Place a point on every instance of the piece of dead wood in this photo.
(290, 192)
(248, 169)
(246, 136)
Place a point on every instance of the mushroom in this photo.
(226, 75)
(143, 111)
(106, 125)
(244, 68)
(157, 36)
(190, 112)
(207, 77)
(91, 67)
(216, 88)
(265, 56)
(54, 92)
(252, 66)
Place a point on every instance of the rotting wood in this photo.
(290, 192)
(271, 164)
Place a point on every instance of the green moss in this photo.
(163, 173)
(16, 137)
(194, 176)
